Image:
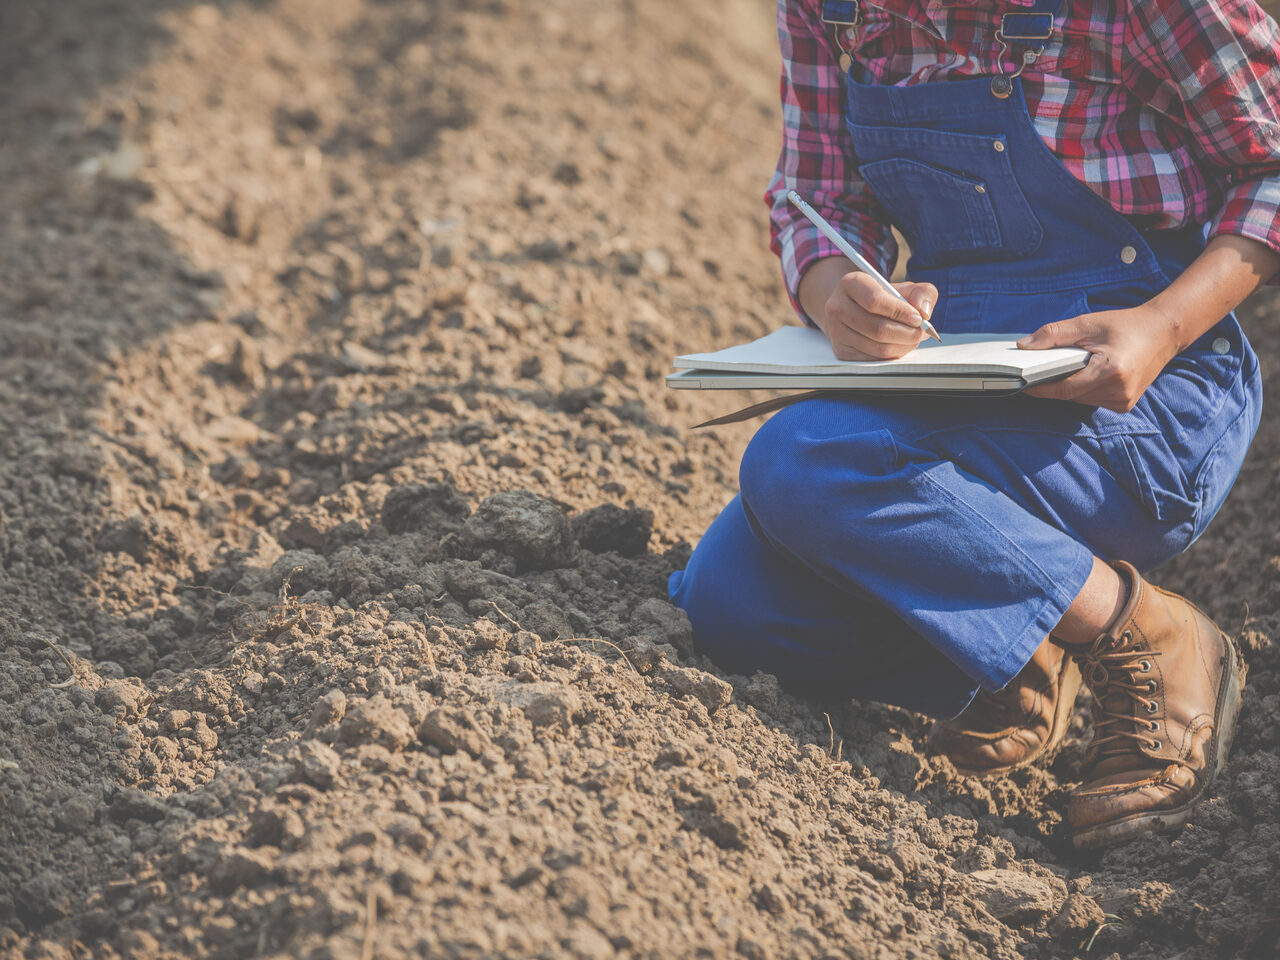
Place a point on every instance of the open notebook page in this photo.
(803, 350)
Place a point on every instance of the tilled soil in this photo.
(336, 458)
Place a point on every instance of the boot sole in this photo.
(1061, 720)
(1230, 696)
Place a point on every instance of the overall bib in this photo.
(913, 549)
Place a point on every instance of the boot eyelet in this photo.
(1152, 707)
(1151, 686)
(1145, 665)
(1154, 744)
(1154, 726)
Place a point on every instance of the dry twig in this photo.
(370, 925)
(609, 643)
(505, 616)
(216, 593)
(1244, 620)
(75, 677)
(1109, 920)
(834, 750)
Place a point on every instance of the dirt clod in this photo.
(609, 527)
(530, 529)
(451, 731)
(375, 721)
(1012, 896)
(1079, 915)
(317, 764)
(552, 706)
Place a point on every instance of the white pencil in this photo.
(858, 259)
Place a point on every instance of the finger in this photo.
(873, 298)
(847, 313)
(884, 330)
(1060, 333)
(922, 296)
(867, 348)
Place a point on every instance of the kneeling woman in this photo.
(1114, 183)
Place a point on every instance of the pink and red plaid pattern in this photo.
(1169, 110)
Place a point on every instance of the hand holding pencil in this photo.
(866, 316)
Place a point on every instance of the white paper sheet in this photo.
(803, 350)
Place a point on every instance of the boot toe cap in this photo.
(1132, 797)
(980, 753)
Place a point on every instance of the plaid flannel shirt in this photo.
(1167, 109)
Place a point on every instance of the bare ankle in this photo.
(1095, 608)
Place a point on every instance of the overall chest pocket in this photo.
(953, 195)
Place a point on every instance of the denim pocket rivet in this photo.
(998, 146)
(979, 188)
(1128, 255)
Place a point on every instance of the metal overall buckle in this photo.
(843, 17)
(1021, 27)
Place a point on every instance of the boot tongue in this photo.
(1109, 699)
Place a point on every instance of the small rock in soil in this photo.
(526, 527)
(712, 692)
(663, 623)
(133, 804)
(119, 699)
(1078, 916)
(329, 709)
(376, 721)
(451, 730)
(317, 764)
(1010, 896)
(554, 708)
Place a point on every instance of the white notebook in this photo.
(802, 358)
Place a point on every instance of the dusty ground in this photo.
(295, 298)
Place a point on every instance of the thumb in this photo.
(1060, 333)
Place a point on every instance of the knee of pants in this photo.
(810, 453)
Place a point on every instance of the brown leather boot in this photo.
(1167, 685)
(999, 732)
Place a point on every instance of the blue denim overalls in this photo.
(912, 549)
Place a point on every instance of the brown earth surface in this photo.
(336, 457)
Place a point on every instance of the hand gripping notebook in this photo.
(801, 358)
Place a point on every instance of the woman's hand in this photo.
(1129, 349)
(864, 322)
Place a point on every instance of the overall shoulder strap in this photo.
(845, 13)
(1031, 24)
(842, 18)
(1034, 23)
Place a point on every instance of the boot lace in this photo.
(1112, 668)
